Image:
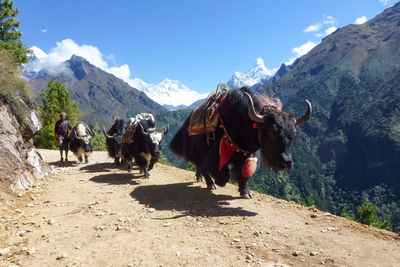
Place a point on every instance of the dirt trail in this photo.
(99, 215)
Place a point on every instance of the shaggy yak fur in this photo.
(113, 139)
(145, 149)
(80, 141)
(265, 127)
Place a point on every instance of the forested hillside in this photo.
(349, 151)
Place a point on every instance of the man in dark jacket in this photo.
(61, 134)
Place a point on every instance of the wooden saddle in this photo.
(204, 118)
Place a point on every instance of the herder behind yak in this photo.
(222, 136)
(61, 134)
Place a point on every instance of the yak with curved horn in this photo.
(142, 146)
(246, 123)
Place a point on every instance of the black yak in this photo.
(113, 139)
(142, 146)
(80, 141)
(246, 123)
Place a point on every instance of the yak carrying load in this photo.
(142, 143)
(222, 135)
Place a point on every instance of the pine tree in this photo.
(55, 99)
(9, 35)
(99, 140)
(367, 215)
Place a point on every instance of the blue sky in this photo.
(199, 43)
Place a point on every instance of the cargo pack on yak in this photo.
(222, 135)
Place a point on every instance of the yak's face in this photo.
(275, 130)
(86, 143)
(117, 129)
(275, 135)
(155, 140)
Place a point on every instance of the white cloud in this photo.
(300, 51)
(64, 51)
(329, 20)
(330, 30)
(43, 30)
(303, 49)
(313, 28)
(321, 28)
(361, 20)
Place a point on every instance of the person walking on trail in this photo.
(61, 134)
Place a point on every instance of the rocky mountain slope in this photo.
(98, 215)
(100, 95)
(349, 151)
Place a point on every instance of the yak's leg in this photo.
(209, 180)
(236, 173)
(86, 159)
(80, 158)
(199, 176)
(152, 162)
(116, 161)
(244, 189)
(146, 172)
(130, 166)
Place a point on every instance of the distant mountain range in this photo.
(101, 96)
(171, 94)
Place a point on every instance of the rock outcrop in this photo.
(20, 164)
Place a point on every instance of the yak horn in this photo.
(166, 129)
(106, 135)
(306, 117)
(76, 135)
(253, 115)
(143, 131)
(151, 129)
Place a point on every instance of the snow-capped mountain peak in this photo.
(257, 73)
(37, 53)
(168, 92)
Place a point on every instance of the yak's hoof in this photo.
(80, 159)
(211, 187)
(130, 168)
(246, 195)
(199, 179)
(86, 160)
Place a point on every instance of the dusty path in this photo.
(99, 215)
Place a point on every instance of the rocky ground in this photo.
(100, 215)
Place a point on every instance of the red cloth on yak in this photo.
(226, 150)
